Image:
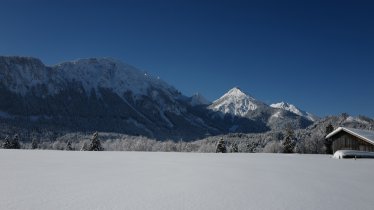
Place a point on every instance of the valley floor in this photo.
(32, 179)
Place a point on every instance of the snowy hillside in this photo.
(22, 74)
(112, 74)
(292, 108)
(235, 102)
(135, 180)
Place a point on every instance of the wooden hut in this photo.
(352, 139)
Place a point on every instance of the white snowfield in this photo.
(140, 180)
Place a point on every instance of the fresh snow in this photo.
(32, 179)
(292, 108)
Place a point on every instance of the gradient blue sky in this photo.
(318, 55)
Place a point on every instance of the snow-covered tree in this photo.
(95, 143)
(15, 142)
(7, 144)
(69, 146)
(85, 146)
(221, 146)
(234, 147)
(34, 144)
(289, 141)
(272, 147)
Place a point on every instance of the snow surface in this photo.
(235, 102)
(32, 179)
(292, 108)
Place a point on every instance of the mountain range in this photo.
(108, 95)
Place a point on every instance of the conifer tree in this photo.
(328, 142)
(234, 148)
(289, 142)
(15, 142)
(68, 146)
(34, 144)
(95, 143)
(221, 146)
(7, 144)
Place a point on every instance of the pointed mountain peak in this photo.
(236, 91)
(235, 102)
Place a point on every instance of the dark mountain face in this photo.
(107, 95)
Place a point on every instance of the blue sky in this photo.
(318, 55)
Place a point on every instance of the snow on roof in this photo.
(366, 135)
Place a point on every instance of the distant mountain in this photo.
(108, 95)
(235, 102)
(295, 110)
(239, 106)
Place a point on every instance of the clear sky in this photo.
(318, 55)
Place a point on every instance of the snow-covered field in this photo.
(139, 180)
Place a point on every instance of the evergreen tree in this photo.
(328, 142)
(34, 144)
(95, 143)
(329, 129)
(85, 147)
(234, 148)
(251, 146)
(289, 142)
(7, 144)
(15, 142)
(221, 146)
(68, 146)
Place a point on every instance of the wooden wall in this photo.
(344, 140)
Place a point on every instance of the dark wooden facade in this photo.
(347, 141)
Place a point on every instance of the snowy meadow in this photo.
(43, 179)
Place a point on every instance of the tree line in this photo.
(288, 141)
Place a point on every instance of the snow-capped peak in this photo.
(235, 102)
(292, 108)
(198, 99)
